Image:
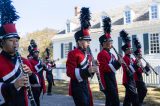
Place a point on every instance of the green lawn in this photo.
(152, 98)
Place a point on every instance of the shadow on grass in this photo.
(156, 89)
(61, 87)
(152, 98)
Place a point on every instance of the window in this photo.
(62, 50)
(128, 16)
(154, 12)
(154, 43)
(133, 46)
(68, 25)
(146, 43)
(120, 45)
(65, 48)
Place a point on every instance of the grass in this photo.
(152, 98)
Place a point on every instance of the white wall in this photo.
(94, 44)
(139, 30)
(57, 46)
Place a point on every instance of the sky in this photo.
(38, 14)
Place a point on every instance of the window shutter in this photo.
(146, 43)
(70, 46)
(120, 45)
(100, 47)
(133, 46)
(62, 50)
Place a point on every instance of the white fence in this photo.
(59, 73)
(151, 80)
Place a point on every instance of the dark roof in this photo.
(119, 22)
(96, 26)
(62, 32)
(140, 9)
(144, 16)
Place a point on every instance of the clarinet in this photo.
(140, 64)
(150, 67)
(101, 87)
(123, 62)
(30, 94)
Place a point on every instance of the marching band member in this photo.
(108, 66)
(78, 64)
(49, 75)
(13, 82)
(38, 67)
(31, 47)
(140, 84)
(131, 95)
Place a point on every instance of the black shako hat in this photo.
(8, 16)
(126, 40)
(107, 30)
(85, 18)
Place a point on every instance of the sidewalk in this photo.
(62, 100)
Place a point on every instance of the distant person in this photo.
(50, 65)
(31, 47)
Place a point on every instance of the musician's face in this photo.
(84, 43)
(10, 44)
(128, 51)
(107, 44)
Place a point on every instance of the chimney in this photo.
(77, 11)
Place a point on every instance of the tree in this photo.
(42, 38)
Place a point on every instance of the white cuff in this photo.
(77, 74)
(132, 69)
(112, 68)
(1, 97)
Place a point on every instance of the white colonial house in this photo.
(141, 20)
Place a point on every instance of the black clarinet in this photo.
(97, 73)
(140, 64)
(123, 62)
(29, 90)
(150, 67)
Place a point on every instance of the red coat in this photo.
(49, 75)
(130, 64)
(138, 74)
(108, 66)
(9, 72)
(77, 68)
(38, 69)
